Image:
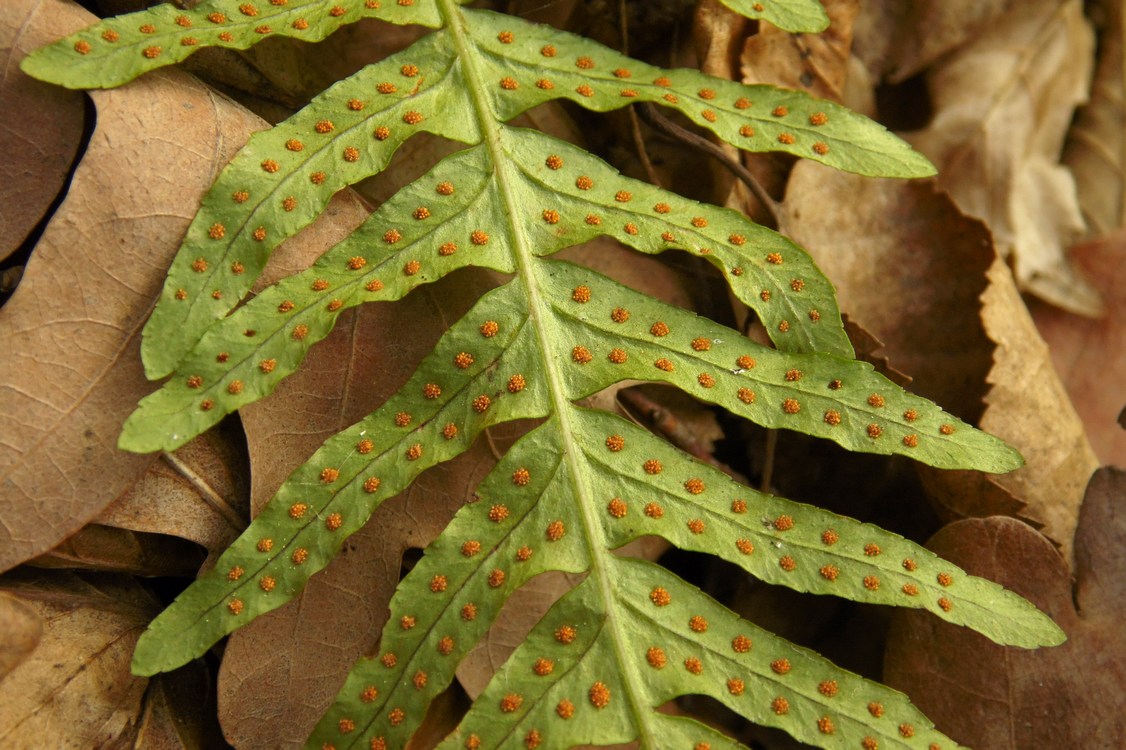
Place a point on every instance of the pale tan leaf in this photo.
(1069, 696)
(116, 550)
(1090, 354)
(22, 629)
(72, 371)
(72, 328)
(896, 40)
(75, 689)
(1096, 145)
(1028, 407)
(1002, 106)
(42, 125)
(200, 493)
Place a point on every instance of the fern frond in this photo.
(117, 50)
(630, 636)
(107, 54)
(481, 62)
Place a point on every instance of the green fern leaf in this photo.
(799, 16)
(117, 50)
(498, 67)
(467, 226)
(583, 483)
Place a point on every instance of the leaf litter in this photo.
(357, 538)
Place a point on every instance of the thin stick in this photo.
(209, 495)
(670, 129)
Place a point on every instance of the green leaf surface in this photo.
(453, 217)
(497, 66)
(796, 15)
(582, 483)
(117, 50)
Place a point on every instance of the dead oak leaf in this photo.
(42, 125)
(1096, 144)
(75, 689)
(987, 696)
(1002, 106)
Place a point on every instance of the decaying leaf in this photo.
(1096, 143)
(1090, 355)
(111, 239)
(896, 40)
(1066, 697)
(817, 63)
(1002, 106)
(22, 629)
(74, 691)
(908, 268)
(42, 125)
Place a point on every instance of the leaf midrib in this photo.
(539, 312)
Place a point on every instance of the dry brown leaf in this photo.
(1096, 144)
(908, 268)
(1090, 355)
(75, 689)
(896, 40)
(1027, 407)
(72, 328)
(73, 371)
(816, 63)
(42, 125)
(179, 712)
(115, 550)
(1002, 106)
(200, 493)
(993, 698)
(22, 629)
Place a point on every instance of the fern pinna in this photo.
(631, 636)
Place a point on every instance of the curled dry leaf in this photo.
(1005, 699)
(198, 492)
(42, 126)
(896, 40)
(1028, 407)
(116, 550)
(1002, 106)
(817, 63)
(75, 689)
(908, 268)
(1096, 144)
